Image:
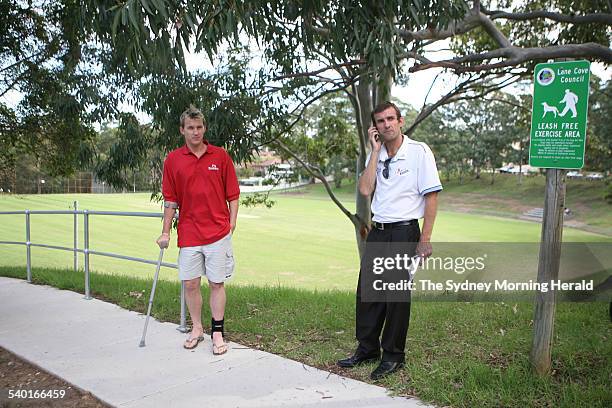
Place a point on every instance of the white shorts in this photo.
(215, 261)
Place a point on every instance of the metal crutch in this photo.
(414, 265)
(144, 332)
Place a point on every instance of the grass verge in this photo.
(506, 198)
(458, 354)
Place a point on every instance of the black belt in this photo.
(388, 225)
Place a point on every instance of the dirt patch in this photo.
(481, 204)
(476, 203)
(24, 385)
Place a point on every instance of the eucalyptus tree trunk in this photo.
(363, 109)
(368, 93)
(520, 178)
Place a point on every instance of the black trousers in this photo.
(392, 318)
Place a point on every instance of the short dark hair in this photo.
(192, 113)
(381, 107)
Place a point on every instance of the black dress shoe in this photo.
(357, 359)
(385, 368)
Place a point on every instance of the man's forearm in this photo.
(367, 181)
(431, 208)
(168, 217)
(233, 213)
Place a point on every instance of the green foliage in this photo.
(538, 33)
(131, 147)
(239, 115)
(149, 38)
(153, 33)
(447, 143)
(257, 199)
(325, 137)
(608, 192)
(479, 133)
(582, 33)
(598, 155)
(53, 84)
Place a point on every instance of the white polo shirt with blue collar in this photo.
(412, 174)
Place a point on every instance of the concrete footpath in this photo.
(94, 345)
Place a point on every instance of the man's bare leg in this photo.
(217, 309)
(193, 298)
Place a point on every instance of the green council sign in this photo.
(559, 115)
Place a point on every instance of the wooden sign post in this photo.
(558, 137)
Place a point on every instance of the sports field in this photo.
(464, 354)
(302, 242)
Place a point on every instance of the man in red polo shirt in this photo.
(200, 180)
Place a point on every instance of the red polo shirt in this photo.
(201, 188)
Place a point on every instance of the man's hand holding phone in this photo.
(374, 138)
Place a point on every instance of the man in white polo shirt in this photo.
(403, 176)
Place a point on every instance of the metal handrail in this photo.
(68, 212)
(86, 250)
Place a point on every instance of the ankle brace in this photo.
(216, 326)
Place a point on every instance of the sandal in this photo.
(217, 326)
(188, 343)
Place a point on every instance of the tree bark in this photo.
(385, 82)
(362, 203)
(367, 95)
(548, 270)
(520, 179)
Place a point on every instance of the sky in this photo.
(419, 83)
(413, 94)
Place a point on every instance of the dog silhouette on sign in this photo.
(548, 108)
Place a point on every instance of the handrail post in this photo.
(183, 326)
(86, 252)
(28, 248)
(76, 235)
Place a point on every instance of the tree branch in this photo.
(318, 71)
(308, 23)
(516, 105)
(469, 22)
(598, 18)
(429, 90)
(455, 95)
(516, 56)
(302, 107)
(493, 31)
(317, 173)
(12, 84)
(23, 60)
(426, 111)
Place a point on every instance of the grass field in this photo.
(293, 293)
(507, 198)
(302, 242)
(458, 354)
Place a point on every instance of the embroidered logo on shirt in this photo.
(401, 172)
(213, 167)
